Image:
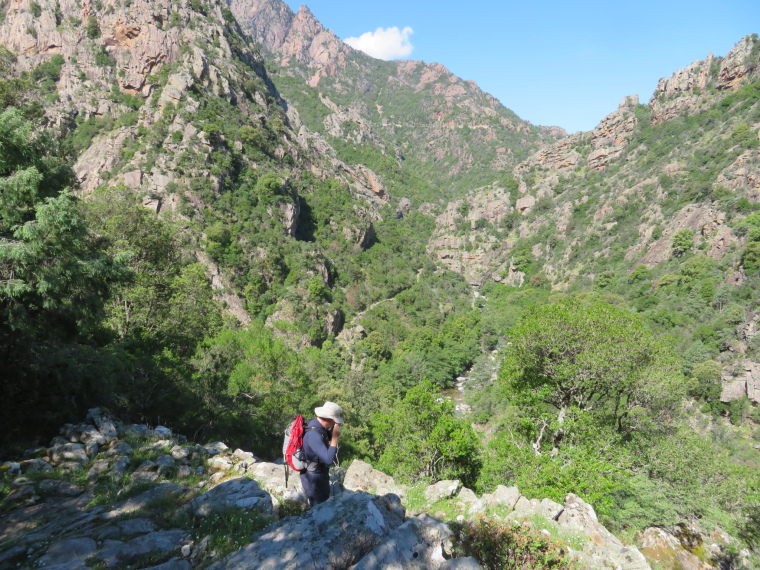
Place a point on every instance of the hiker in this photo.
(320, 446)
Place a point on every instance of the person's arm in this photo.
(315, 447)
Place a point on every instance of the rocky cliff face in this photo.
(553, 175)
(688, 90)
(141, 78)
(289, 36)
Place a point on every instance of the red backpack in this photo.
(292, 447)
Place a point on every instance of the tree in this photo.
(420, 440)
(53, 278)
(751, 256)
(12, 88)
(683, 241)
(569, 359)
(249, 376)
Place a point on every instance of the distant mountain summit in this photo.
(287, 35)
(440, 133)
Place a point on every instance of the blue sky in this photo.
(552, 62)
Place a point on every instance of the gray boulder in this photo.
(442, 490)
(83, 433)
(603, 550)
(136, 526)
(68, 452)
(104, 423)
(272, 478)
(119, 448)
(215, 448)
(59, 488)
(98, 467)
(35, 466)
(240, 492)
(142, 500)
(336, 533)
(420, 543)
(134, 430)
(362, 477)
(153, 543)
(179, 453)
(147, 472)
(165, 463)
(503, 497)
(69, 552)
(120, 466)
(506, 496)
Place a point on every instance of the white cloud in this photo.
(384, 43)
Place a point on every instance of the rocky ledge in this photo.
(106, 495)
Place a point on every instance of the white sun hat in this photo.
(330, 411)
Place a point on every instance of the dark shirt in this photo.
(316, 445)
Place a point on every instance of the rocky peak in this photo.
(740, 62)
(611, 136)
(690, 88)
(267, 21)
(300, 36)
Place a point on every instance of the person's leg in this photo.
(321, 486)
(307, 482)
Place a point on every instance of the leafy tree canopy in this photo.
(420, 440)
(592, 358)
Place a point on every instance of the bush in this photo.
(103, 58)
(502, 546)
(92, 28)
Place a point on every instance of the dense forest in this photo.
(266, 282)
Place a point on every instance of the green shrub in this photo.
(682, 242)
(92, 28)
(503, 546)
(103, 58)
(751, 256)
